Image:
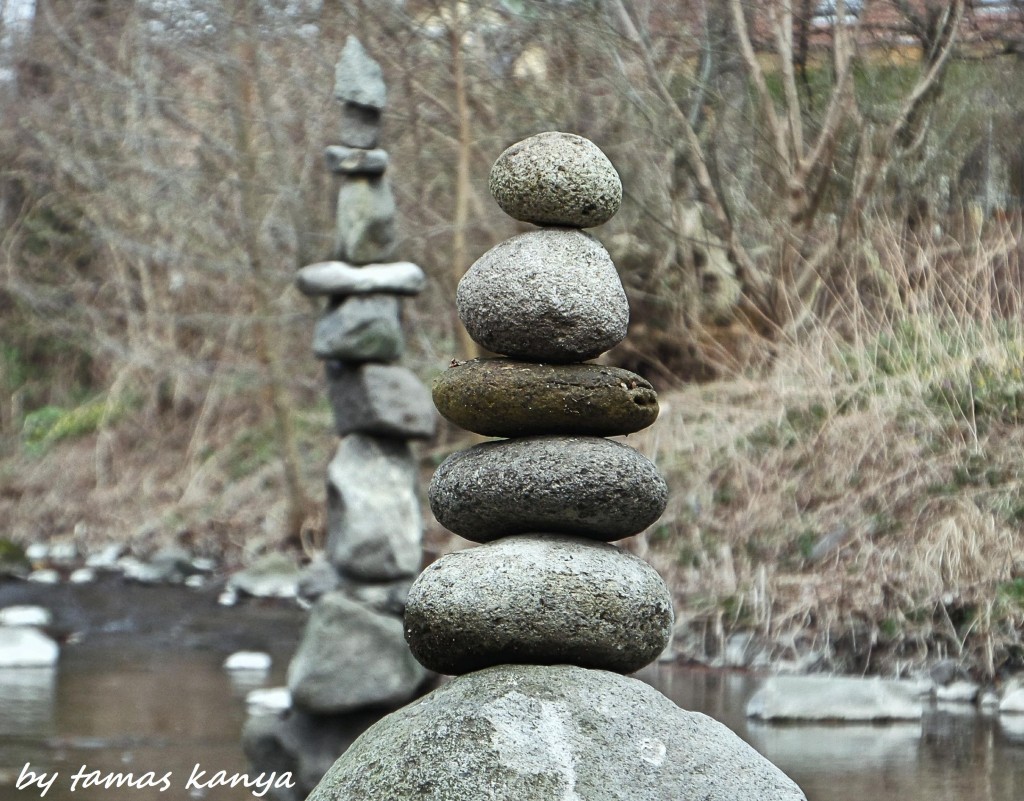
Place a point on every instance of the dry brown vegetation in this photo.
(825, 230)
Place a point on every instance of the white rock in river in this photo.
(25, 647)
(556, 178)
(557, 733)
(248, 660)
(548, 296)
(590, 486)
(25, 616)
(538, 599)
(835, 698)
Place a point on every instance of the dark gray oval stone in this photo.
(546, 296)
(538, 599)
(508, 398)
(550, 733)
(556, 178)
(589, 486)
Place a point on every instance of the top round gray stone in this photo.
(556, 178)
(358, 78)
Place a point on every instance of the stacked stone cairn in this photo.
(353, 664)
(539, 622)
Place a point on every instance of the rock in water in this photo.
(558, 733)
(539, 599)
(556, 178)
(351, 657)
(26, 647)
(589, 486)
(382, 399)
(364, 328)
(546, 296)
(366, 220)
(373, 513)
(508, 398)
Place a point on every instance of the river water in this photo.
(163, 705)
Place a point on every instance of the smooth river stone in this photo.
(539, 599)
(589, 486)
(550, 733)
(548, 296)
(336, 278)
(556, 178)
(507, 398)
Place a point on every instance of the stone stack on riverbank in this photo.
(538, 622)
(353, 663)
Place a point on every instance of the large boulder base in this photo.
(351, 657)
(538, 599)
(589, 486)
(557, 733)
(508, 398)
(556, 178)
(545, 296)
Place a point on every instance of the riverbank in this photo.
(857, 510)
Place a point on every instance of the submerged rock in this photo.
(538, 599)
(589, 486)
(835, 698)
(558, 733)
(509, 398)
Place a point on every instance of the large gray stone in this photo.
(366, 220)
(509, 398)
(589, 486)
(538, 599)
(558, 733)
(351, 657)
(556, 178)
(836, 698)
(548, 296)
(336, 278)
(358, 78)
(355, 160)
(374, 526)
(363, 328)
(381, 399)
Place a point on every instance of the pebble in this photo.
(339, 278)
(44, 576)
(508, 398)
(589, 486)
(556, 178)
(538, 599)
(268, 700)
(547, 296)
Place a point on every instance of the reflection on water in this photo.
(119, 710)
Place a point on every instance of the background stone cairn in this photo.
(538, 622)
(353, 663)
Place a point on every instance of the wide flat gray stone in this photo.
(365, 221)
(556, 178)
(374, 524)
(836, 698)
(548, 296)
(557, 733)
(358, 78)
(350, 657)
(509, 398)
(355, 160)
(339, 279)
(382, 399)
(540, 599)
(588, 486)
(363, 328)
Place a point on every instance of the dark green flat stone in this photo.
(508, 398)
